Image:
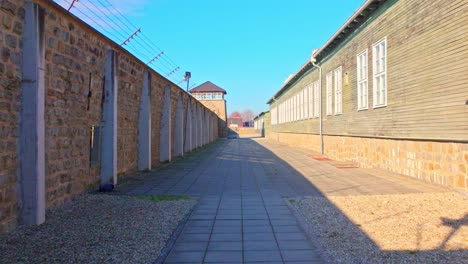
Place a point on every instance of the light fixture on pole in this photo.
(187, 78)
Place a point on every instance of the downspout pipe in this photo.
(277, 118)
(313, 60)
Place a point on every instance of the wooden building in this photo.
(388, 90)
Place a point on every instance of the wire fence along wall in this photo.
(110, 21)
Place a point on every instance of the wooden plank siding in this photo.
(427, 75)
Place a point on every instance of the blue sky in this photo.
(246, 47)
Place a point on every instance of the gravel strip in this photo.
(97, 229)
(404, 228)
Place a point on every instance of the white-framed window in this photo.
(379, 70)
(362, 87)
(299, 108)
(293, 109)
(305, 103)
(329, 88)
(311, 100)
(338, 85)
(317, 98)
(296, 107)
(301, 105)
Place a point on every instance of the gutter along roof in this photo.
(356, 20)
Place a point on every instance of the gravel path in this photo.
(97, 229)
(404, 228)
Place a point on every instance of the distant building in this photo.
(212, 96)
(262, 123)
(235, 121)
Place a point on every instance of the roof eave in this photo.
(342, 30)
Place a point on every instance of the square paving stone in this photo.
(226, 229)
(280, 222)
(254, 211)
(287, 229)
(190, 246)
(276, 207)
(197, 229)
(185, 256)
(279, 211)
(229, 216)
(226, 237)
(194, 237)
(257, 229)
(219, 223)
(202, 216)
(255, 222)
(258, 237)
(290, 236)
(262, 255)
(255, 216)
(225, 246)
(204, 212)
(260, 245)
(300, 255)
(274, 216)
(223, 256)
(193, 223)
(295, 244)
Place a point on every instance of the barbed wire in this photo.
(107, 19)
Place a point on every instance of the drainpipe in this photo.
(277, 118)
(312, 59)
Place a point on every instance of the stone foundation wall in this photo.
(442, 163)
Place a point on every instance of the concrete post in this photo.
(200, 126)
(144, 125)
(179, 128)
(203, 130)
(165, 138)
(188, 127)
(109, 121)
(210, 126)
(31, 150)
(207, 126)
(194, 126)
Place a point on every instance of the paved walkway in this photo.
(242, 216)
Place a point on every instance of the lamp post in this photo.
(187, 78)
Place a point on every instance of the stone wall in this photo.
(75, 58)
(74, 70)
(443, 163)
(11, 28)
(219, 108)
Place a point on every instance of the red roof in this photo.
(208, 87)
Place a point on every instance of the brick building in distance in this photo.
(388, 90)
(212, 96)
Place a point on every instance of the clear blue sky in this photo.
(247, 47)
